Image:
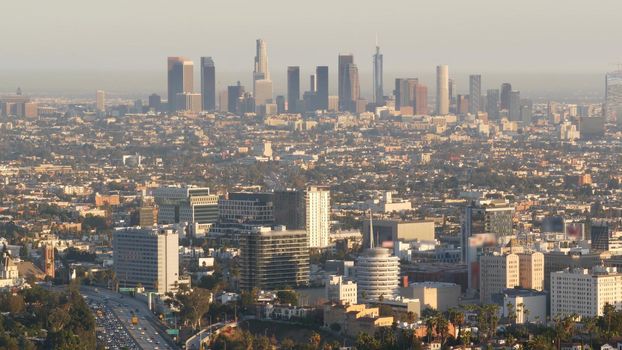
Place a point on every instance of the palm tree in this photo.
(456, 317)
(431, 326)
(590, 325)
(564, 328)
(442, 328)
(608, 315)
(511, 312)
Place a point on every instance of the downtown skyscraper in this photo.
(180, 79)
(613, 96)
(506, 88)
(475, 93)
(321, 77)
(293, 89)
(492, 104)
(378, 77)
(208, 83)
(262, 85)
(343, 64)
(349, 85)
(442, 90)
(261, 61)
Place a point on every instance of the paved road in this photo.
(110, 332)
(145, 333)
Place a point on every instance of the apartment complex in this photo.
(317, 200)
(272, 259)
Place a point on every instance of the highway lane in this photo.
(145, 333)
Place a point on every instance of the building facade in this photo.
(317, 202)
(341, 291)
(475, 93)
(208, 83)
(442, 90)
(585, 292)
(497, 273)
(377, 274)
(192, 205)
(147, 256)
(293, 89)
(273, 259)
(531, 267)
(180, 79)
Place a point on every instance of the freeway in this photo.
(146, 333)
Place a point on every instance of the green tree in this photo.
(315, 339)
(287, 297)
(194, 306)
(365, 341)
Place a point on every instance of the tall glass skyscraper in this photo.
(506, 88)
(475, 93)
(492, 104)
(321, 76)
(293, 89)
(378, 89)
(613, 96)
(261, 71)
(344, 61)
(180, 79)
(208, 83)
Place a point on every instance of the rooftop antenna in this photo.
(371, 230)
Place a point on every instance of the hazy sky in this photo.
(123, 44)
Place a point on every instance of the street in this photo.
(123, 307)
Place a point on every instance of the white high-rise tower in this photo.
(442, 90)
(318, 216)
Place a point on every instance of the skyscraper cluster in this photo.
(410, 94)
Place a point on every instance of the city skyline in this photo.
(427, 174)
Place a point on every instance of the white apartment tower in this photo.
(317, 200)
(584, 292)
(147, 256)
